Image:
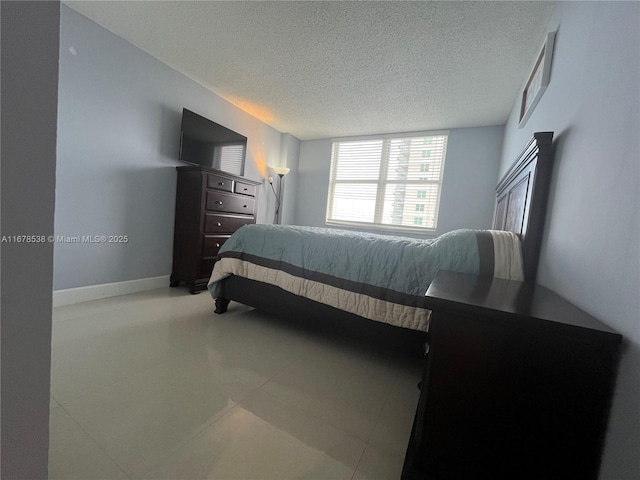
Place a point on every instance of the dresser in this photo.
(210, 206)
(517, 384)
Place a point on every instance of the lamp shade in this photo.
(281, 170)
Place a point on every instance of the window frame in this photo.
(382, 182)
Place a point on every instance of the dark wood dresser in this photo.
(517, 384)
(210, 206)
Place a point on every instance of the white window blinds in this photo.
(387, 182)
(231, 158)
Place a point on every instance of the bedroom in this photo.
(588, 100)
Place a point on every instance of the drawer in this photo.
(219, 182)
(212, 244)
(244, 189)
(206, 267)
(227, 202)
(223, 223)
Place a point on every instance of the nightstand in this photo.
(517, 384)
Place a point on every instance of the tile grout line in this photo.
(375, 425)
(199, 432)
(324, 420)
(127, 377)
(178, 447)
(204, 426)
(122, 470)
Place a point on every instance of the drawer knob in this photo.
(217, 245)
(221, 183)
(218, 202)
(218, 224)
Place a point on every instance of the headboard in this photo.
(522, 198)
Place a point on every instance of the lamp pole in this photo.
(281, 172)
(278, 213)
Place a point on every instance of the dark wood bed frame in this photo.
(520, 208)
(521, 199)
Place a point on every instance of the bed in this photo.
(354, 276)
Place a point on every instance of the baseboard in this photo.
(69, 296)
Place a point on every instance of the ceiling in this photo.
(319, 69)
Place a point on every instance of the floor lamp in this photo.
(281, 172)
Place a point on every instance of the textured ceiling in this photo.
(319, 69)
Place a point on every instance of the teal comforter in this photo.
(379, 277)
(344, 258)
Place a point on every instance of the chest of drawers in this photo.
(210, 206)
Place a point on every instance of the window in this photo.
(231, 158)
(378, 181)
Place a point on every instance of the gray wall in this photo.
(118, 140)
(313, 182)
(290, 154)
(467, 199)
(30, 32)
(590, 252)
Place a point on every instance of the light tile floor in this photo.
(156, 386)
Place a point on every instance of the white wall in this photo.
(591, 247)
(30, 36)
(468, 191)
(118, 139)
